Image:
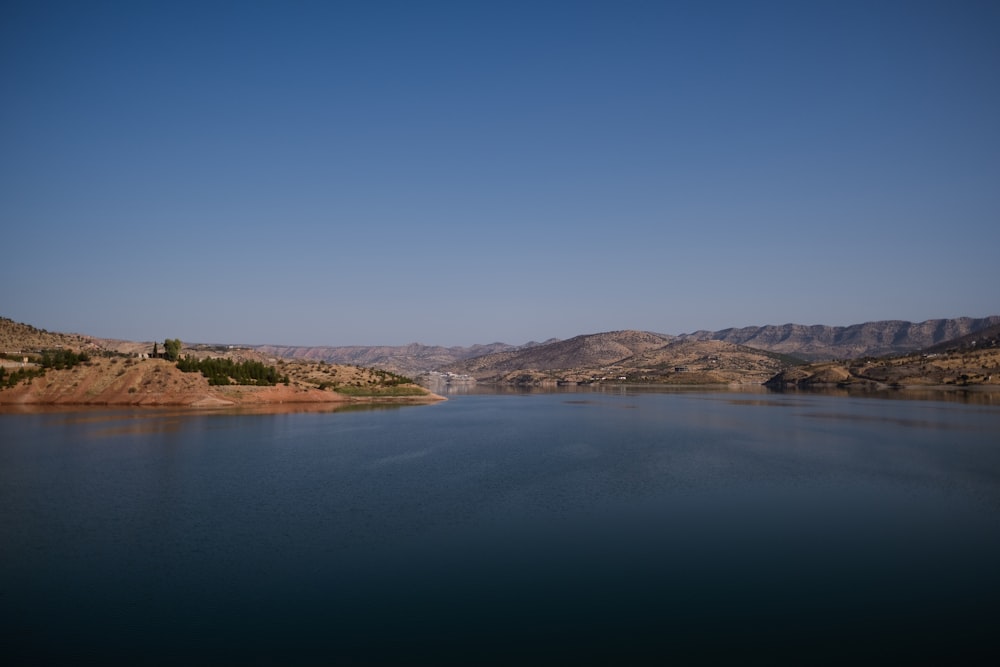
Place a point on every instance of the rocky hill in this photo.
(629, 356)
(716, 360)
(751, 354)
(970, 360)
(587, 351)
(858, 340)
(16, 338)
(982, 339)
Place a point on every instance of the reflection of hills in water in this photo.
(742, 394)
(988, 395)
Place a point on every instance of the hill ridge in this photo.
(818, 342)
(808, 342)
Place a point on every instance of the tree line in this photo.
(222, 371)
(11, 379)
(61, 359)
(389, 379)
(54, 359)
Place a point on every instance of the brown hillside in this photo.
(961, 367)
(726, 362)
(149, 382)
(16, 338)
(815, 342)
(630, 356)
(588, 352)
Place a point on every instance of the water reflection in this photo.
(897, 421)
(981, 395)
(102, 423)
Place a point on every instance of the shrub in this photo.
(172, 348)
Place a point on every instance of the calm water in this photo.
(575, 528)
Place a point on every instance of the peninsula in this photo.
(44, 368)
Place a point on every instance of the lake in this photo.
(584, 527)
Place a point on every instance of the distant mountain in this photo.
(988, 337)
(632, 356)
(858, 340)
(812, 343)
(590, 351)
(405, 359)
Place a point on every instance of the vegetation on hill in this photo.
(60, 359)
(46, 360)
(14, 377)
(81, 370)
(222, 371)
(354, 381)
(172, 349)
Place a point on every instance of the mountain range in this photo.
(818, 342)
(805, 342)
(630, 356)
(748, 354)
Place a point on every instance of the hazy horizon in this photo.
(459, 173)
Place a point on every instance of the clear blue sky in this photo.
(335, 173)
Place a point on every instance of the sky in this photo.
(451, 173)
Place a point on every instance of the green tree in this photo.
(172, 348)
(156, 351)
